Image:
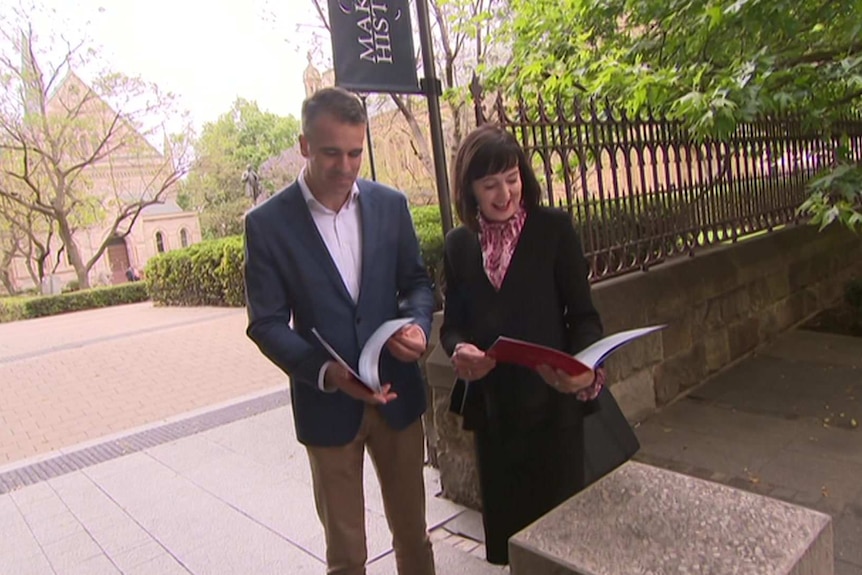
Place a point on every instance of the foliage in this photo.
(429, 231)
(210, 272)
(18, 308)
(78, 154)
(207, 273)
(280, 171)
(13, 309)
(711, 62)
(836, 195)
(71, 286)
(243, 136)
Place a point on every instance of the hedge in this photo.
(429, 230)
(207, 273)
(17, 308)
(210, 272)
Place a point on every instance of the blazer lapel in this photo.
(306, 230)
(371, 221)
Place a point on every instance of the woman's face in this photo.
(499, 195)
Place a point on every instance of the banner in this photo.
(372, 46)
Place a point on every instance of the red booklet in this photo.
(509, 350)
(369, 359)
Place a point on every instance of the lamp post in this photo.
(431, 87)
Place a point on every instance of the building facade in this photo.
(130, 174)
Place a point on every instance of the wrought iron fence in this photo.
(643, 190)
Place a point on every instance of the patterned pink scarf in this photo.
(498, 241)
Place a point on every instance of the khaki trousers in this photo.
(398, 457)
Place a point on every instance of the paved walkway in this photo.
(80, 376)
(235, 499)
(223, 489)
(783, 423)
(148, 440)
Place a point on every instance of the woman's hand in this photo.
(470, 362)
(565, 383)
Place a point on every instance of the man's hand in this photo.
(336, 377)
(563, 382)
(408, 343)
(471, 363)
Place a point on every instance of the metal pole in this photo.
(431, 86)
(368, 136)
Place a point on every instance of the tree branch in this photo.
(820, 56)
(321, 14)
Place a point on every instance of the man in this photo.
(340, 255)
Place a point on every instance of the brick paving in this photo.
(78, 377)
(95, 390)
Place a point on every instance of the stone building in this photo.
(126, 174)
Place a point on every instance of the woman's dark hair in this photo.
(488, 150)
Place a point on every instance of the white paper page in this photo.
(594, 354)
(369, 359)
(334, 354)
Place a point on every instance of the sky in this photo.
(207, 52)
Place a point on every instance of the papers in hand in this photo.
(369, 359)
(509, 350)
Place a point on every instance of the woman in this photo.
(516, 268)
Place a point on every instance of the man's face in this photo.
(333, 150)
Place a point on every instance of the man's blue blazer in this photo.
(289, 275)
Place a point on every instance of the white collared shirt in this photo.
(342, 234)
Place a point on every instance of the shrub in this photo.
(12, 309)
(71, 286)
(210, 272)
(429, 230)
(207, 273)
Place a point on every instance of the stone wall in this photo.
(720, 305)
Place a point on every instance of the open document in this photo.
(509, 350)
(369, 358)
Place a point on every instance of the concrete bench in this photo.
(642, 520)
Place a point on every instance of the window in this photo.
(184, 238)
(160, 242)
(85, 145)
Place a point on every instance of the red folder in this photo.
(518, 352)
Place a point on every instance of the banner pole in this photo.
(432, 90)
(363, 97)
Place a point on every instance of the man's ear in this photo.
(303, 145)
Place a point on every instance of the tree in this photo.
(711, 63)
(463, 40)
(244, 135)
(281, 170)
(29, 235)
(836, 195)
(80, 156)
(10, 237)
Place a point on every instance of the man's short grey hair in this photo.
(338, 102)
